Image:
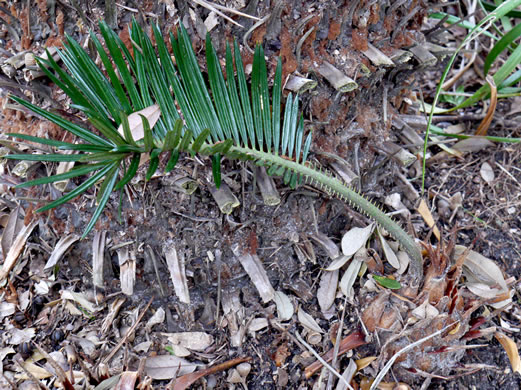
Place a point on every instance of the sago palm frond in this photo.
(227, 118)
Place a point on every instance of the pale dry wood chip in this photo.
(127, 270)
(80, 299)
(176, 266)
(255, 270)
(15, 249)
(308, 321)
(355, 238)
(98, 250)
(61, 247)
(424, 211)
(285, 309)
(348, 279)
(152, 113)
(326, 292)
(388, 252)
(167, 367)
(487, 173)
(511, 350)
(195, 341)
(482, 268)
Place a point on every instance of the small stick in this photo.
(127, 335)
(324, 363)
(391, 361)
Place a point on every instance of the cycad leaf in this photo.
(77, 171)
(109, 68)
(43, 141)
(130, 173)
(172, 161)
(47, 157)
(245, 96)
(264, 99)
(105, 190)
(116, 47)
(216, 169)
(148, 137)
(154, 164)
(65, 124)
(256, 99)
(234, 100)
(172, 137)
(220, 93)
(198, 142)
(78, 190)
(276, 94)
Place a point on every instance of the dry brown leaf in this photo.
(98, 250)
(355, 238)
(15, 249)
(255, 270)
(388, 252)
(127, 270)
(487, 173)
(487, 120)
(338, 263)
(327, 244)
(327, 290)
(152, 113)
(13, 227)
(167, 367)
(196, 341)
(285, 309)
(349, 277)
(176, 266)
(478, 268)
(511, 350)
(127, 381)
(364, 362)
(61, 247)
(424, 211)
(308, 321)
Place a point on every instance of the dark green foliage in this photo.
(224, 114)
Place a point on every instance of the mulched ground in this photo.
(80, 325)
